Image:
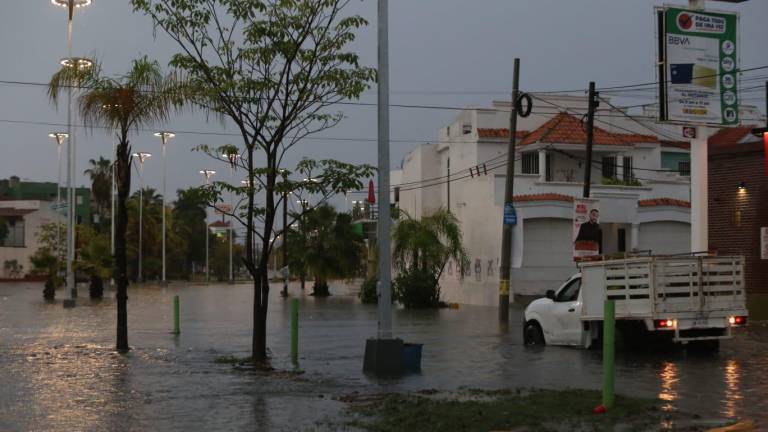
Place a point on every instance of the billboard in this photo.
(698, 66)
(587, 234)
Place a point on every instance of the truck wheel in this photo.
(532, 334)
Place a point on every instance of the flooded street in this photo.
(59, 371)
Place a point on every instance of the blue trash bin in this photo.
(412, 357)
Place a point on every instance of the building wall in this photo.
(41, 214)
(736, 216)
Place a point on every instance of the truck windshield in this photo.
(570, 292)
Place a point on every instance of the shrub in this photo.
(416, 289)
(368, 294)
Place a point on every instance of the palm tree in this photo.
(422, 248)
(142, 97)
(100, 172)
(325, 245)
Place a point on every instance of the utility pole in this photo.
(384, 354)
(509, 194)
(591, 105)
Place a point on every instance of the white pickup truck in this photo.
(693, 300)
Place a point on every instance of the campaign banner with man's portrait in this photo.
(587, 234)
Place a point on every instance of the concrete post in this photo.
(542, 165)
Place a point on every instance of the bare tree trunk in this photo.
(121, 225)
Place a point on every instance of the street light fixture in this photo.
(207, 174)
(232, 157)
(59, 137)
(141, 156)
(71, 5)
(164, 136)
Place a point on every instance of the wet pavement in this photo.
(58, 370)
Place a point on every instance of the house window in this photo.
(627, 171)
(466, 129)
(549, 167)
(15, 236)
(609, 167)
(684, 168)
(531, 162)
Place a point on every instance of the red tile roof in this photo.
(499, 133)
(218, 224)
(654, 202)
(731, 135)
(567, 129)
(543, 197)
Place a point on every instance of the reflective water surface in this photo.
(59, 372)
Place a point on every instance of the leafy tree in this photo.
(273, 68)
(219, 259)
(189, 213)
(48, 259)
(94, 258)
(100, 172)
(421, 249)
(142, 97)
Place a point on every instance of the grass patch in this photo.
(478, 410)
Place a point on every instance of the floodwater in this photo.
(59, 372)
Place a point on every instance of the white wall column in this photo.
(634, 237)
(699, 192)
(542, 165)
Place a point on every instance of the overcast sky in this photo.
(442, 52)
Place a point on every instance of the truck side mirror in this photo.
(550, 294)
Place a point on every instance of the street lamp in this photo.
(232, 157)
(207, 174)
(71, 5)
(59, 137)
(141, 156)
(164, 138)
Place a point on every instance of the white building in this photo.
(24, 219)
(644, 205)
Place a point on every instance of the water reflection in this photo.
(732, 389)
(669, 379)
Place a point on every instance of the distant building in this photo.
(640, 173)
(738, 193)
(25, 206)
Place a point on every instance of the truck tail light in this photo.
(664, 324)
(737, 320)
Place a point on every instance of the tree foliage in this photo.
(274, 69)
(421, 249)
(100, 172)
(324, 244)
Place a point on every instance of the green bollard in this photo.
(176, 327)
(295, 331)
(609, 333)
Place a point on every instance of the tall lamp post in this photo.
(232, 157)
(207, 174)
(59, 137)
(141, 156)
(70, 61)
(164, 136)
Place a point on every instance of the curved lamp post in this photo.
(207, 174)
(141, 156)
(164, 136)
